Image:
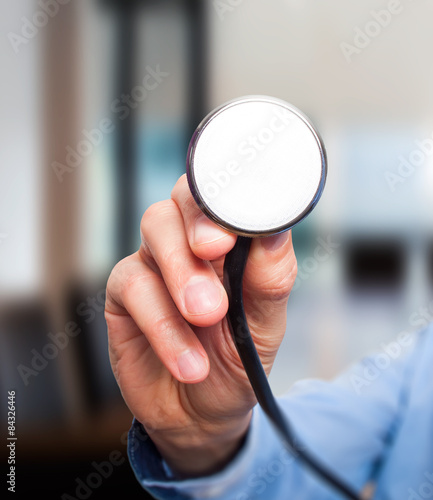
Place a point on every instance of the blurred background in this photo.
(99, 100)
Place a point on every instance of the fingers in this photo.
(206, 240)
(192, 282)
(170, 280)
(134, 288)
(271, 267)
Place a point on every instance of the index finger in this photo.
(207, 240)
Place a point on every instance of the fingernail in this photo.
(192, 365)
(202, 296)
(206, 231)
(274, 242)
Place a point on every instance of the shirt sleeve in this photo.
(347, 424)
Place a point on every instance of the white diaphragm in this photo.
(256, 166)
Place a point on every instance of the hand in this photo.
(169, 342)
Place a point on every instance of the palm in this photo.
(156, 398)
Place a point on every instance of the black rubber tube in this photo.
(234, 267)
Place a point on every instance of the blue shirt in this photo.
(372, 424)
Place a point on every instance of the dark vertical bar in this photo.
(197, 42)
(124, 68)
(124, 140)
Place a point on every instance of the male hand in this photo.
(170, 346)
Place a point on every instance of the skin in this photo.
(169, 343)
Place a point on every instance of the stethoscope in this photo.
(256, 167)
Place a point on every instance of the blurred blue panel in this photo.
(162, 151)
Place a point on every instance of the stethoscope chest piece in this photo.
(256, 166)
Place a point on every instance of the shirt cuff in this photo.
(155, 476)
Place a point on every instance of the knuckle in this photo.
(111, 280)
(115, 277)
(283, 284)
(186, 204)
(191, 209)
(121, 273)
(132, 283)
(154, 215)
(166, 326)
(278, 281)
(179, 186)
(173, 259)
(281, 288)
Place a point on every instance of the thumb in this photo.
(269, 277)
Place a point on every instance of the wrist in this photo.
(199, 453)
